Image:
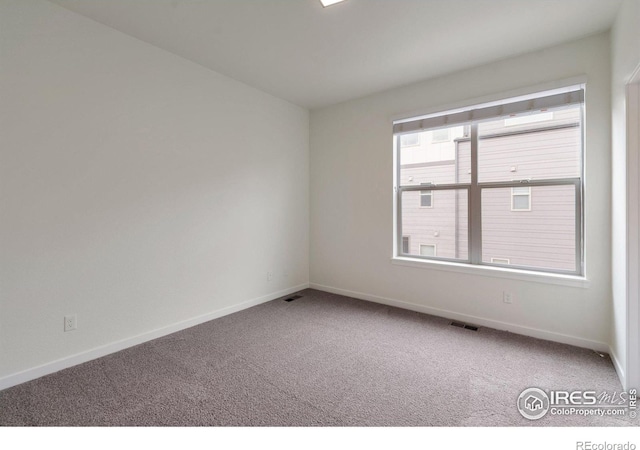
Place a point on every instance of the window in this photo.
(500, 261)
(521, 198)
(410, 140)
(442, 135)
(426, 199)
(405, 245)
(496, 159)
(427, 250)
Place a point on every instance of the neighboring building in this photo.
(522, 226)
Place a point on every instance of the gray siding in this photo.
(543, 155)
(543, 237)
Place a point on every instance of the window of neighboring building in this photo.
(521, 198)
(426, 199)
(427, 250)
(442, 135)
(500, 261)
(486, 172)
(410, 140)
(405, 245)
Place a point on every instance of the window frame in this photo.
(408, 238)
(435, 250)
(440, 141)
(413, 145)
(474, 188)
(503, 261)
(426, 193)
(528, 194)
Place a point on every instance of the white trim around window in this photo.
(432, 252)
(508, 273)
(518, 194)
(500, 260)
(426, 199)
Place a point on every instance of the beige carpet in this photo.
(321, 360)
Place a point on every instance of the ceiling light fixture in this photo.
(326, 3)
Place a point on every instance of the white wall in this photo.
(352, 197)
(625, 57)
(137, 190)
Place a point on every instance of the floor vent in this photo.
(464, 325)
(292, 298)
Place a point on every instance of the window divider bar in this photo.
(550, 182)
(489, 185)
(475, 203)
(433, 187)
(579, 231)
(398, 195)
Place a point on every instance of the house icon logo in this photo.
(533, 403)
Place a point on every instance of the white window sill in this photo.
(496, 272)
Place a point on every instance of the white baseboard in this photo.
(79, 358)
(619, 369)
(489, 323)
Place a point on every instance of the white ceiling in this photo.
(314, 56)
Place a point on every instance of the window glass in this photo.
(444, 225)
(531, 151)
(508, 183)
(427, 250)
(521, 199)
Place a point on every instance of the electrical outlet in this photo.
(269, 276)
(507, 297)
(70, 322)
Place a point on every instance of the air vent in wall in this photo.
(292, 298)
(464, 325)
